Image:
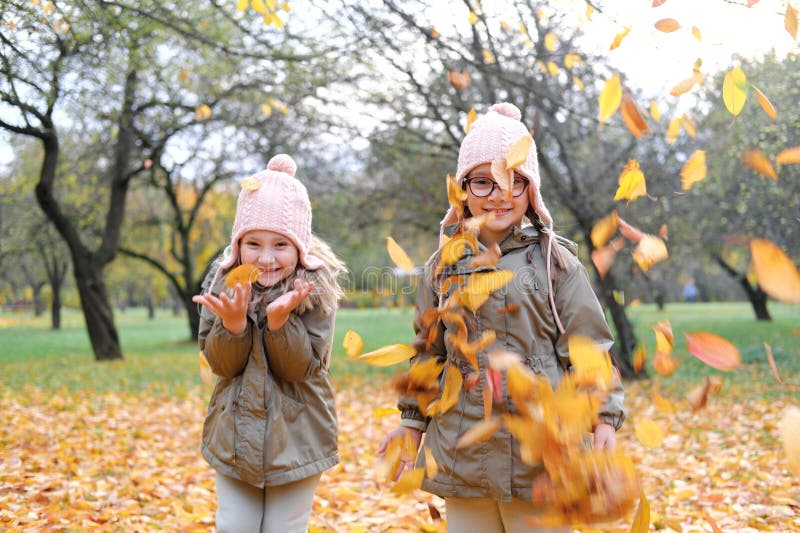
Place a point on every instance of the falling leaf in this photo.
(266, 109)
(734, 90)
(503, 174)
(649, 251)
(453, 381)
(353, 343)
(776, 272)
(202, 112)
(473, 18)
(241, 5)
(206, 374)
(570, 60)
(688, 125)
(603, 258)
(773, 367)
(383, 412)
(184, 75)
(664, 364)
(618, 38)
(661, 403)
(408, 482)
(259, 7)
(488, 57)
(648, 432)
(399, 256)
(629, 232)
(431, 468)
(631, 182)
(667, 25)
(479, 432)
(517, 153)
(471, 116)
(389, 355)
(790, 21)
(713, 350)
(657, 3)
(751, 3)
(553, 69)
(639, 357)
(789, 429)
(654, 112)
(665, 341)
(576, 81)
(755, 159)
(243, 274)
(550, 41)
(604, 229)
(459, 80)
(698, 396)
(693, 170)
(766, 105)
(490, 257)
(696, 33)
(632, 117)
(591, 365)
(456, 196)
(641, 521)
(790, 156)
(663, 232)
(610, 98)
(673, 130)
(686, 85)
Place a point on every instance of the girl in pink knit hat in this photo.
(487, 486)
(271, 426)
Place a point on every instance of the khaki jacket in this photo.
(271, 419)
(494, 469)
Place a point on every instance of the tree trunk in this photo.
(97, 310)
(623, 349)
(38, 304)
(194, 316)
(151, 309)
(55, 307)
(757, 297)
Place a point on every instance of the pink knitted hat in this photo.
(274, 200)
(488, 139)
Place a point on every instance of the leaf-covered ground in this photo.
(85, 461)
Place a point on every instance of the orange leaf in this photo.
(694, 170)
(665, 341)
(610, 98)
(631, 182)
(353, 344)
(765, 104)
(663, 232)
(641, 522)
(503, 175)
(776, 272)
(604, 229)
(756, 160)
(206, 374)
(649, 251)
(790, 21)
(667, 25)
(490, 257)
(686, 85)
(453, 380)
(648, 432)
(389, 355)
(603, 258)
(790, 436)
(459, 80)
(698, 396)
(408, 482)
(713, 350)
(517, 153)
(688, 125)
(471, 116)
(657, 3)
(431, 468)
(772, 364)
(639, 357)
(618, 38)
(790, 156)
(664, 364)
(399, 256)
(632, 117)
(629, 232)
(479, 432)
(456, 195)
(243, 274)
(591, 365)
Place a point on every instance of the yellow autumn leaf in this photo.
(456, 195)
(383, 412)
(473, 18)
(202, 112)
(649, 251)
(550, 41)
(251, 183)
(734, 91)
(517, 153)
(271, 5)
(488, 282)
(453, 380)
(755, 159)
(654, 111)
(632, 117)
(431, 468)
(488, 57)
(286, 7)
(266, 109)
(610, 98)
(589, 11)
(571, 59)
(576, 81)
(408, 482)
(765, 104)
(471, 116)
(641, 521)
(618, 38)
(206, 374)
(789, 429)
(776, 272)
(693, 170)
(663, 404)
(715, 351)
(553, 69)
(667, 25)
(389, 355)
(591, 365)
(604, 229)
(665, 341)
(243, 274)
(696, 33)
(353, 344)
(648, 432)
(479, 432)
(399, 256)
(241, 5)
(631, 182)
(686, 85)
(790, 156)
(259, 7)
(790, 21)
(688, 125)
(673, 130)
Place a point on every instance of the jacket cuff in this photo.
(612, 419)
(411, 418)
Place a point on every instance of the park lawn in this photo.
(158, 355)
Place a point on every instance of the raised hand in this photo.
(278, 311)
(231, 310)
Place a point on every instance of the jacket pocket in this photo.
(219, 429)
(290, 408)
(545, 365)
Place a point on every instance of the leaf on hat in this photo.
(632, 117)
(667, 25)
(353, 344)
(517, 153)
(399, 256)
(251, 183)
(734, 90)
(206, 374)
(776, 272)
(471, 116)
(389, 355)
(765, 104)
(631, 182)
(243, 274)
(755, 159)
(790, 156)
(604, 229)
(618, 38)
(693, 170)
(610, 98)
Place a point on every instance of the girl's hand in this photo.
(231, 310)
(397, 433)
(605, 437)
(278, 311)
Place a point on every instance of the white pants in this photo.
(243, 508)
(465, 515)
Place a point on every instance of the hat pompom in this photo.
(282, 163)
(507, 110)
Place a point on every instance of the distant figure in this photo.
(690, 292)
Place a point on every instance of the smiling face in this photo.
(273, 253)
(507, 212)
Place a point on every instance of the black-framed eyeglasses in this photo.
(483, 187)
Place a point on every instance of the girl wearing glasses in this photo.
(487, 487)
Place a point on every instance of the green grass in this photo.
(158, 356)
